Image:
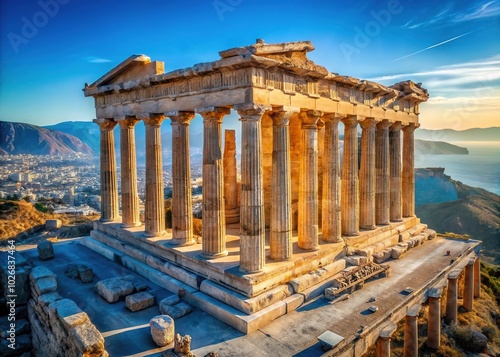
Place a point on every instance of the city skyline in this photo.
(51, 48)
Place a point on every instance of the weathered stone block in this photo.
(85, 273)
(53, 223)
(47, 299)
(170, 301)
(87, 339)
(40, 272)
(382, 256)
(397, 252)
(45, 250)
(177, 311)
(355, 260)
(162, 330)
(68, 313)
(45, 285)
(330, 293)
(114, 288)
(430, 233)
(139, 301)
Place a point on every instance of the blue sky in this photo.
(50, 48)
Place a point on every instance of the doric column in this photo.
(213, 214)
(182, 210)
(308, 191)
(252, 220)
(384, 340)
(434, 319)
(154, 211)
(280, 240)
(408, 184)
(350, 199)
(231, 201)
(469, 285)
(411, 332)
(109, 186)
(331, 228)
(477, 277)
(382, 190)
(130, 198)
(367, 175)
(451, 297)
(395, 171)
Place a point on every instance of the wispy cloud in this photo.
(449, 16)
(98, 60)
(436, 45)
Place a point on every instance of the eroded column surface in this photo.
(182, 210)
(382, 190)
(350, 193)
(231, 201)
(331, 226)
(308, 191)
(213, 213)
(469, 285)
(367, 175)
(408, 184)
(384, 340)
(109, 185)
(451, 297)
(434, 319)
(477, 277)
(411, 332)
(280, 240)
(252, 220)
(154, 210)
(130, 198)
(395, 171)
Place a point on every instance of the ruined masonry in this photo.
(299, 205)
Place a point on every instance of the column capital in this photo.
(251, 111)
(388, 330)
(127, 121)
(153, 119)
(384, 124)
(368, 122)
(105, 124)
(414, 311)
(410, 127)
(351, 120)
(213, 113)
(310, 118)
(435, 293)
(281, 115)
(178, 117)
(333, 118)
(454, 274)
(396, 126)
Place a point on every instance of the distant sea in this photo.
(481, 168)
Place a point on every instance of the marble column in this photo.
(252, 220)
(451, 297)
(130, 198)
(408, 184)
(308, 191)
(182, 210)
(469, 285)
(109, 185)
(384, 340)
(231, 199)
(331, 228)
(154, 210)
(382, 182)
(350, 189)
(411, 332)
(367, 175)
(280, 240)
(434, 319)
(477, 277)
(213, 212)
(395, 171)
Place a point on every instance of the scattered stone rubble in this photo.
(45, 250)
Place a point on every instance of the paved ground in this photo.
(295, 334)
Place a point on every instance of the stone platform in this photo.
(244, 301)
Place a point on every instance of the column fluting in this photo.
(382, 182)
(367, 175)
(350, 185)
(395, 171)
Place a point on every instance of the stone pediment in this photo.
(135, 67)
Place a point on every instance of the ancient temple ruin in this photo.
(302, 207)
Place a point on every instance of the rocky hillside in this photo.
(475, 212)
(438, 148)
(476, 134)
(19, 138)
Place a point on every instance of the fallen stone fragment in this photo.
(139, 301)
(177, 311)
(162, 330)
(114, 288)
(45, 250)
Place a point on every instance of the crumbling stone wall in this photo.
(59, 327)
